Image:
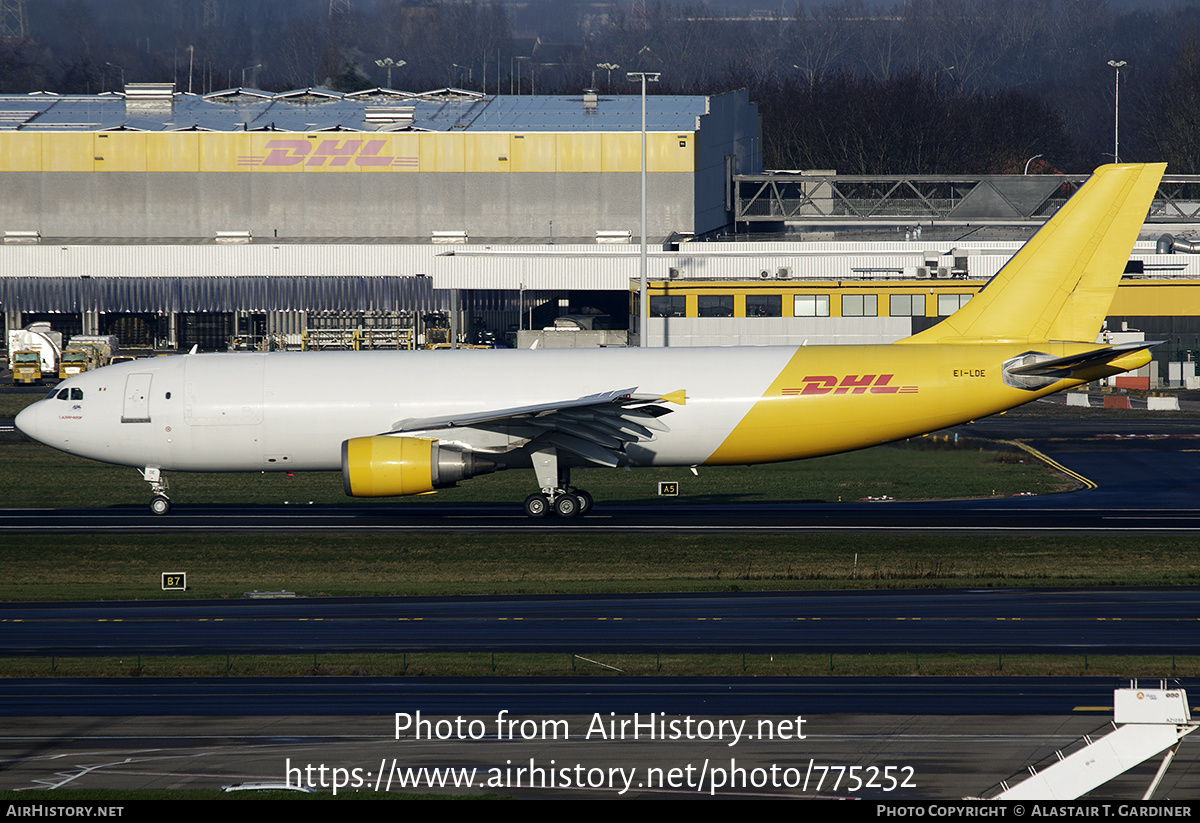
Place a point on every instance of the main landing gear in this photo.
(557, 495)
(564, 502)
(160, 504)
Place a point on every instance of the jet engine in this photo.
(383, 466)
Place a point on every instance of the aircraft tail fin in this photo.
(1060, 285)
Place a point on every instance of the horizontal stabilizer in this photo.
(1065, 367)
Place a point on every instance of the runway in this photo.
(985, 621)
(1015, 516)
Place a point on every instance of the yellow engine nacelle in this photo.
(384, 466)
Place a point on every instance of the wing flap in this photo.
(539, 409)
(595, 428)
(582, 448)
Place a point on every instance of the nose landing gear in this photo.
(160, 504)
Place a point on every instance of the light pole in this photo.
(1030, 160)
(610, 68)
(1116, 64)
(470, 73)
(643, 305)
(257, 66)
(389, 64)
(519, 60)
(118, 68)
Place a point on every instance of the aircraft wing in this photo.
(596, 427)
(1063, 367)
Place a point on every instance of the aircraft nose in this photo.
(27, 421)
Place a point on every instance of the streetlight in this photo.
(470, 73)
(1030, 160)
(519, 61)
(610, 68)
(389, 64)
(1116, 64)
(118, 68)
(249, 68)
(643, 304)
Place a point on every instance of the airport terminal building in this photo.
(313, 218)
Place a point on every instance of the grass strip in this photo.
(113, 567)
(437, 664)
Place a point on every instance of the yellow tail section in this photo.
(1060, 285)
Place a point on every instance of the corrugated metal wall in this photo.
(177, 206)
(220, 294)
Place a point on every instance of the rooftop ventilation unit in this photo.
(396, 117)
(149, 91)
(614, 236)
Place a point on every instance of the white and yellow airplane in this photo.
(399, 423)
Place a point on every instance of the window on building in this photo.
(948, 304)
(764, 305)
(714, 305)
(907, 305)
(860, 305)
(669, 305)
(811, 305)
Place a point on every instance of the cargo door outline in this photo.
(136, 406)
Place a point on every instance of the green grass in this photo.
(13, 402)
(113, 567)
(584, 664)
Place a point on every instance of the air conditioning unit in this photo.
(764, 274)
(783, 273)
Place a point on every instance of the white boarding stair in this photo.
(1146, 723)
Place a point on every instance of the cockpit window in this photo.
(63, 394)
(76, 394)
(51, 395)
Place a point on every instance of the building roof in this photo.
(313, 109)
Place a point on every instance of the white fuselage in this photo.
(292, 411)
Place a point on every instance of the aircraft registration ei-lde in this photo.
(401, 423)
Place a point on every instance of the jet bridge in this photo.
(1146, 723)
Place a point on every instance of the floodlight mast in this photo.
(643, 302)
(1117, 64)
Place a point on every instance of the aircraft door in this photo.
(136, 405)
